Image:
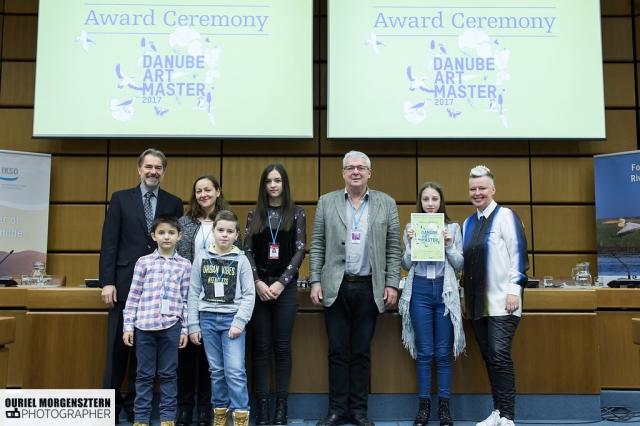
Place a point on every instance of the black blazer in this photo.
(125, 238)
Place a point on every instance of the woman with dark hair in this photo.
(275, 245)
(193, 369)
(430, 309)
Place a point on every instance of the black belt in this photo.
(349, 278)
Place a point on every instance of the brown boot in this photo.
(220, 416)
(241, 418)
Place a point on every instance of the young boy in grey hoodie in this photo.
(221, 299)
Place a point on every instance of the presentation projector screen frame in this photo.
(420, 69)
(168, 69)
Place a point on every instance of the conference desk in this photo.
(570, 341)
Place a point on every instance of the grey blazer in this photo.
(328, 253)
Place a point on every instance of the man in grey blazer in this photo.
(355, 269)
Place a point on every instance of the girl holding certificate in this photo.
(275, 246)
(430, 308)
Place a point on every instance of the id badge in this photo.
(431, 272)
(218, 289)
(274, 251)
(165, 307)
(356, 237)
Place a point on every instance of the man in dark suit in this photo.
(126, 236)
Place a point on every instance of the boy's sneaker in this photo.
(505, 422)
(492, 420)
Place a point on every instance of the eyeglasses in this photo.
(352, 169)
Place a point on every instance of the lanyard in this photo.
(357, 214)
(166, 271)
(205, 238)
(274, 236)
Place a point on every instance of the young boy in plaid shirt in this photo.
(156, 312)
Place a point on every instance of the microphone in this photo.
(623, 282)
(618, 259)
(7, 281)
(5, 258)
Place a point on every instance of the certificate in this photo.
(428, 239)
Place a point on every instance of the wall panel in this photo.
(511, 175)
(75, 227)
(74, 266)
(78, 179)
(16, 129)
(19, 41)
(21, 6)
(240, 176)
(178, 179)
(620, 136)
(562, 180)
(17, 83)
(386, 174)
(559, 265)
(564, 228)
(619, 84)
(617, 42)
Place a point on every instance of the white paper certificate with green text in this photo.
(428, 239)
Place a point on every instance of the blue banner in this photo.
(617, 184)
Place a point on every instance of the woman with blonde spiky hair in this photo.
(495, 267)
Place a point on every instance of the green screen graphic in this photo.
(465, 69)
(241, 68)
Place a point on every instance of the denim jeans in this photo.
(434, 335)
(495, 337)
(157, 349)
(226, 361)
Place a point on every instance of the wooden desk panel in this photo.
(309, 354)
(17, 348)
(623, 298)
(557, 364)
(619, 364)
(557, 353)
(7, 330)
(559, 299)
(65, 298)
(13, 297)
(7, 335)
(635, 330)
(65, 349)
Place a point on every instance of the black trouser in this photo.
(193, 376)
(350, 322)
(495, 337)
(272, 326)
(118, 356)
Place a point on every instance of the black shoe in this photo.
(332, 420)
(184, 418)
(280, 417)
(262, 412)
(424, 411)
(361, 420)
(443, 412)
(204, 416)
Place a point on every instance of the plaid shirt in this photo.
(155, 277)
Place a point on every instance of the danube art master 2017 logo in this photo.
(165, 77)
(466, 78)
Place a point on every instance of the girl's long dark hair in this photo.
(196, 211)
(443, 205)
(261, 213)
